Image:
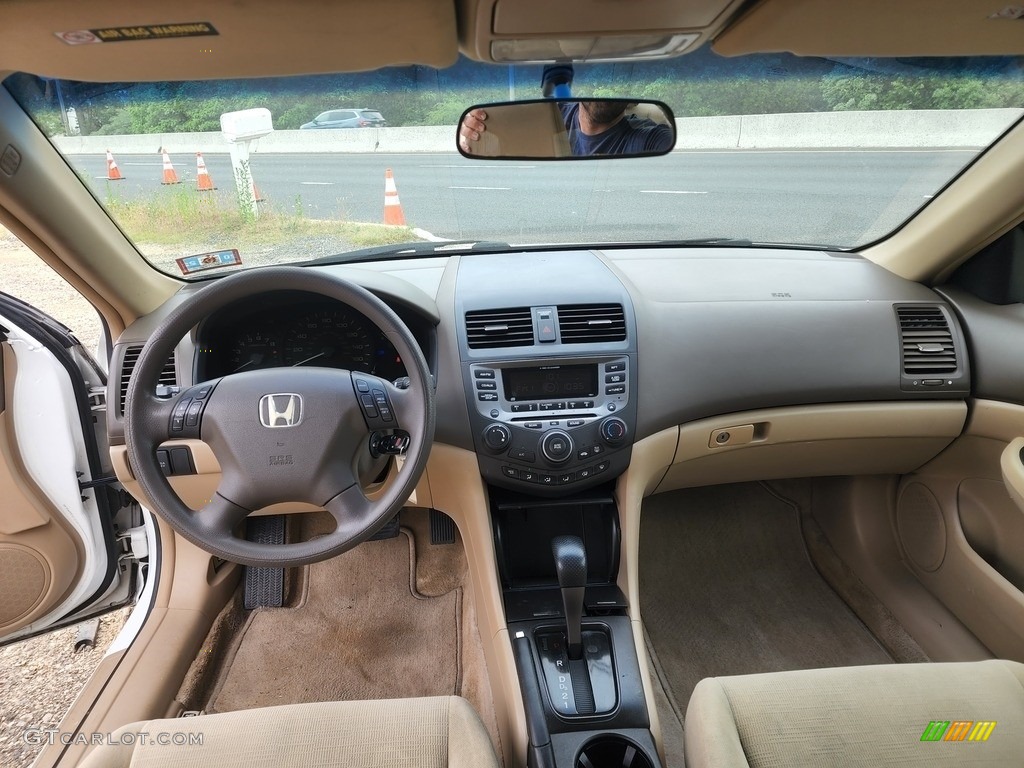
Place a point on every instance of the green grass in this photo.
(185, 217)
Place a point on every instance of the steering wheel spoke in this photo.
(350, 509)
(220, 517)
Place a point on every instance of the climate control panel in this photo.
(555, 426)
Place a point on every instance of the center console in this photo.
(549, 365)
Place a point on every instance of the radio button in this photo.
(483, 374)
(487, 397)
(523, 407)
(486, 385)
(552, 406)
(575, 423)
(614, 378)
(533, 424)
(613, 367)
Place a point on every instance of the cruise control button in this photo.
(192, 414)
(613, 367)
(362, 386)
(203, 392)
(618, 389)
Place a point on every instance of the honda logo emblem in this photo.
(281, 410)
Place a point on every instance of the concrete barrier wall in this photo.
(855, 130)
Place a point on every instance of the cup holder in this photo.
(612, 751)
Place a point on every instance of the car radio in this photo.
(553, 426)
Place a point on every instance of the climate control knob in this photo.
(497, 437)
(613, 430)
(556, 446)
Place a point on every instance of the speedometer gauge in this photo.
(331, 339)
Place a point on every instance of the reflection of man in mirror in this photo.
(604, 128)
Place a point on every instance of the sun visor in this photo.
(508, 31)
(146, 40)
(877, 28)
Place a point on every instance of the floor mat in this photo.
(361, 631)
(727, 588)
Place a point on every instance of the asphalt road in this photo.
(835, 197)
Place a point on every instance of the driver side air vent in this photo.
(591, 323)
(926, 341)
(168, 375)
(490, 328)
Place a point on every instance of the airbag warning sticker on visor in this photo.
(213, 260)
(145, 32)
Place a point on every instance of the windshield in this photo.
(772, 149)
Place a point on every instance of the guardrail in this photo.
(818, 130)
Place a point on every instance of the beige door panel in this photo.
(960, 526)
(40, 555)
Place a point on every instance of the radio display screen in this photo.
(550, 383)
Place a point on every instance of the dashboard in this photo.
(291, 330)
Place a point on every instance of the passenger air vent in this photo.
(591, 323)
(927, 341)
(490, 328)
(168, 375)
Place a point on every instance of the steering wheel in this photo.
(281, 434)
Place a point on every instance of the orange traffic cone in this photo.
(256, 193)
(113, 174)
(392, 207)
(170, 175)
(203, 181)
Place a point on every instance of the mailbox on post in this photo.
(240, 129)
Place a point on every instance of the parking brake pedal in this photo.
(264, 587)
(442, 528)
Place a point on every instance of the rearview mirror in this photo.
(566, 129)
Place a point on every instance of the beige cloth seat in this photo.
(857, 716)
(439, 732)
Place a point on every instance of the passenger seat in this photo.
(887, 715)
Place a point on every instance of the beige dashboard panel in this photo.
(808, 441)
(876, 28)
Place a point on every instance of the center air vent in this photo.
(168, 375)
(490, 328)
(926, 341)
(591, 323)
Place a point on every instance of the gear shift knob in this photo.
(571, 566)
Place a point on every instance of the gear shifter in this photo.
(571, 565)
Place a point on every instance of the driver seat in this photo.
(437, 732)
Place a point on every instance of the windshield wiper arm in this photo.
(409, 250)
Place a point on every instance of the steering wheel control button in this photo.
(202, 392)
(192, 414)
(164, 460)
(368, 405)
(497, 437)
(178, 414)
(556, 446)
(613, 430)
(362, 386)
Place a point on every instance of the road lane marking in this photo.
(670, 192)
(317, 183)
(495, 189)
(154, 165)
